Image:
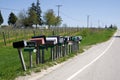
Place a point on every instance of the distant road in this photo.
(101, 62)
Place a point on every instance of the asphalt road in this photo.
(101, 62)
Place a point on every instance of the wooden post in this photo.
(51, 50)
(34, 32)
(4, 38)
(63, 51)
(42, 61)
(38, 56)
(52, 53)
(53, 33)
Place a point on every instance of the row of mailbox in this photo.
(48, 41)
(42, 42)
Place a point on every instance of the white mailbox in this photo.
(61, 40)
(52, 39)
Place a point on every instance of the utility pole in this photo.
(58, 9)
(88, 16)
(98, 23)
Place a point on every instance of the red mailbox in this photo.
(39, 41)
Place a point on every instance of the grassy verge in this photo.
(97, 36)
(10, 66)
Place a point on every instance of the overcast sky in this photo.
(73, 12)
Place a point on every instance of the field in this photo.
(10, 66)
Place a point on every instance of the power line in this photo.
(70, 17)
(10, 9)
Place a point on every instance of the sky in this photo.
(73, 12)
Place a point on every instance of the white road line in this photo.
(75, 74)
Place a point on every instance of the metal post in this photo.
(30, 57)
(58, 9)
(22, 59)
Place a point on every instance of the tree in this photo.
(58, 21)
(32, 17)
(1, 18)
(49, 18)
(36, 8)
(33, 7)
(12, 19)
(111, 26)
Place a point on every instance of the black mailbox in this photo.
(66, 39)
(79, 38)
(19, 44)
(31, 44)
(71, 38)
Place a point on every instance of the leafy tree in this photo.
(32, 17)
(49, 18)
(26, 22)
(36, 8)
(58, 21)
(1, 18)
(28, 18)
(12, 19)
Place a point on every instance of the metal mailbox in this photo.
(39, 41)
(31, 44)
(66, 39)
(42, 36)
(57, 38)
(51, 40)
(79, 38)
(19, 44)
(61, 40)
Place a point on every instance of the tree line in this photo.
(33, 17)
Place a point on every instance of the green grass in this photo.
(10, 66)
(9, 63)
(97, 37)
